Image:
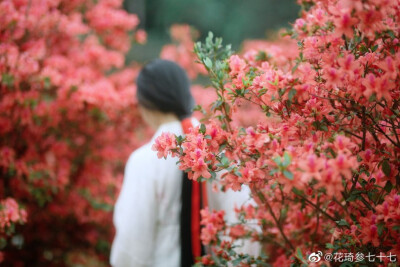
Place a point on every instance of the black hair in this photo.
(163, 85)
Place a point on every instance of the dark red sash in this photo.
(194, 197)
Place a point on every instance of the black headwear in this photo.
(164, 86)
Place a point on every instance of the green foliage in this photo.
(7, 79)
(213, 55)
(226, 18)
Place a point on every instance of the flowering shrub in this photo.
(11, 214)
(323, 162)
(67, 118)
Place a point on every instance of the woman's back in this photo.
(148, 219)
(147, 212)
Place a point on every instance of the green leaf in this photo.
(372, 98)
(210, 36)
(261, 56)
(300, 256)
(386, 168)
(208, 63)
(103, 245)
(295, 67)
(227, 107)
(213, 175)
(363, 49)
(286, 159)
(262, 92)
(202, 128)
(283, 214)
(388, 186)
(237, 173)
(297, 191)
(236, 262)
(277, 160)
(381, 226)
(7, 79)
(47, 83)
(329, 246)
(273, 171)
(353, 197)
(217, 105)
(342, 222)
(179, 139)
(288, 174)
(71, 90)
(391, 34)
(101, 206)
(197, 108)
(274, 185)
(291, 94)
(225, 161)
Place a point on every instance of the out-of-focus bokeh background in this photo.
(234, 20)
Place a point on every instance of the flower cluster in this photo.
(213, 223)
(322, 161)
(198, 151)
(10, 213)
(164, 144)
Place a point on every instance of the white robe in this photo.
(146, 215)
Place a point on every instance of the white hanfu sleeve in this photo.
(227, 201)
(135, 215)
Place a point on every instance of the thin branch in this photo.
(364, 129)
(319, 209)
(316, 227)
(262, 198)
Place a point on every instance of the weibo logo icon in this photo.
(315, 256)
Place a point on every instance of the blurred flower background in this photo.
(233, 20)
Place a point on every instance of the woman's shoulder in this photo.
(141, 166)
(146, 158)
(142, 154)
(144, 166)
